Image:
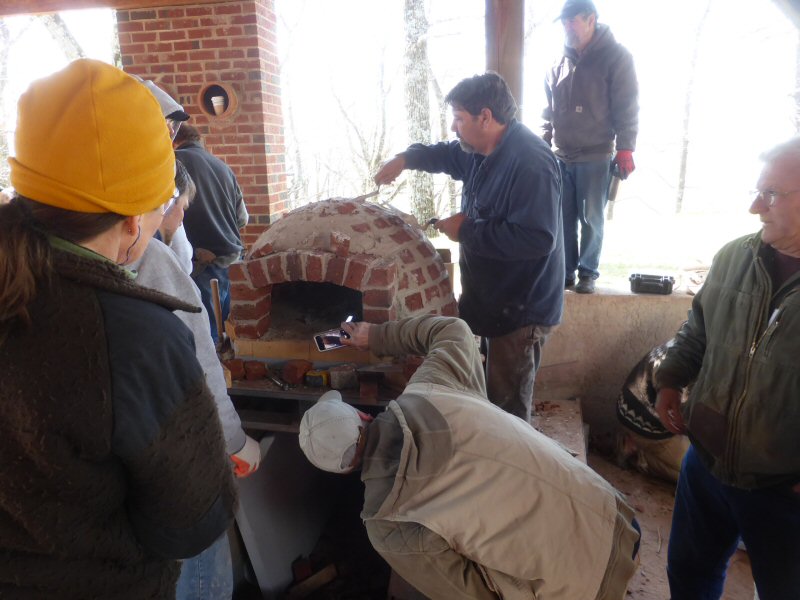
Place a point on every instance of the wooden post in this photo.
(505, 33)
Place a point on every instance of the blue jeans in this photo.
(708, 520)
(209, 575)
(203, 281)
(584, 194)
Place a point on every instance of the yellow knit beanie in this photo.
(92, 139)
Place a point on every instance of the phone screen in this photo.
(329, 340)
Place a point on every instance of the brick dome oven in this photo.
(332, 258)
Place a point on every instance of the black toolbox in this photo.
(651, 284)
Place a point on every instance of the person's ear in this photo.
(486, 117)
(130, 230)
(132, 224)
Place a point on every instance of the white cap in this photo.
(169, 108)
(329, 433)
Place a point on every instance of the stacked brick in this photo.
(377, 251)
(184, 49)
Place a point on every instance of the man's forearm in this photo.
(451, 355)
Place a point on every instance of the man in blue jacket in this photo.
(509, 231)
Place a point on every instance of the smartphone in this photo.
(331, 339)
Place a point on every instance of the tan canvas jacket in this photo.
(493, 511)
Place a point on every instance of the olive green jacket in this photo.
(742, 346)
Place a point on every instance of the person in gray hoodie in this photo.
(209, 575)
(592, 114)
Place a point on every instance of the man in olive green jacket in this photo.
(462, 499)
(741, 347)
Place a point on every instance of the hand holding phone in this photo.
(332, 338)
(358, 334)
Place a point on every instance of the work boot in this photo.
(569, 283)
(585, 285)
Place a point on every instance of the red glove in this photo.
(247, 459)
(624, 162)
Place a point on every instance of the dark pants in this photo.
(708, 520)
(203, 281)
(511, 364)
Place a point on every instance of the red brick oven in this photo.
(348, 249)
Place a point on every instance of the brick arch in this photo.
(326, 242)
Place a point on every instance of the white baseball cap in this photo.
(329, 433)
(169, 108)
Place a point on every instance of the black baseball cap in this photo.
(575, 7)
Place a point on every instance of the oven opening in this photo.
(302, 308)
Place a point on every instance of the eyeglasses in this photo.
(171, 202)
(771, 196)
(173, 127)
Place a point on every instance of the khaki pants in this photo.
(622, 563)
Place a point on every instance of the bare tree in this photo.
(687, 109)
(62, 36)
(367, 145)
(446, 201)
(418, 103)
(66, 42)
(297, 178)
(295, 168)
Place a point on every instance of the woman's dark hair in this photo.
(484, 91)
(25, 253)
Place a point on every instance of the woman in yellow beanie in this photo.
(112, 462)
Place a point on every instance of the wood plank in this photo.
(260, 420)
(505, 38)
(267, 390)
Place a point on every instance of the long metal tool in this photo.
(370, 195)
(223, 346)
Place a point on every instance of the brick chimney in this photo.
(228, 49)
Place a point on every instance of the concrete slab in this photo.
(653, 501)
(562, 421)
(601, 338)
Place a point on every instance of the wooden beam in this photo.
(32, 7)
(505, 33)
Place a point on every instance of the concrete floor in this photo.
(653, 502)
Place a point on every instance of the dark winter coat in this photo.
(592, 101)
(112, 461)
(217, 213)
